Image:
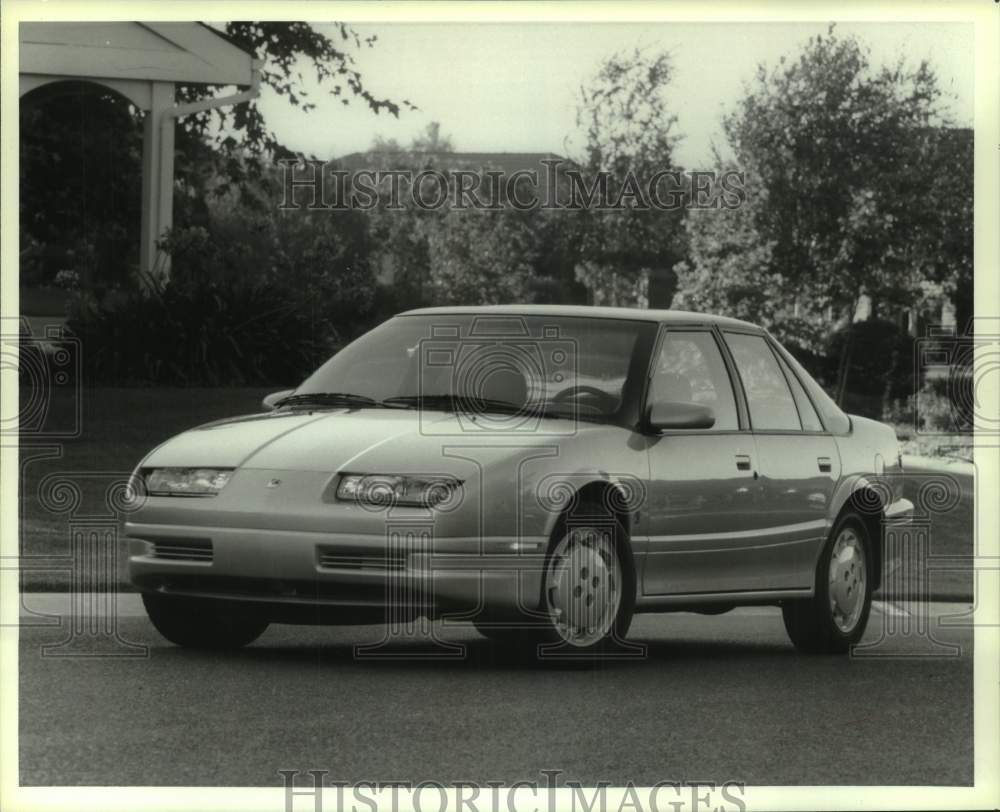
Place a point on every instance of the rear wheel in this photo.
(203, 623)
(834, 619)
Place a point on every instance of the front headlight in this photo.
(186, 481)
(398, 489)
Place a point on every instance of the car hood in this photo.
(338, 440)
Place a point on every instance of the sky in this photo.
(513, 87)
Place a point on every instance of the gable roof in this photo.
(508, 162)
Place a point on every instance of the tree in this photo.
(482, 257)
(286, 48)
(431, 140)
(836, 154)
(838, 150)
(400, 243)
(946, 241)
(730, 269)
(80, 167)
(627, 130)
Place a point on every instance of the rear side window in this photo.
(769, 399)
(836, 421)
(807, 414)
(690, 369)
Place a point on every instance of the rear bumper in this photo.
(897, 516)
(899, 512)
(326, 577)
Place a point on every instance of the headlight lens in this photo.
(398, 489)
(186, 481)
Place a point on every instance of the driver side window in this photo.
(690, 369)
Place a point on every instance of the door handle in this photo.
(824, 464)
(742, 462)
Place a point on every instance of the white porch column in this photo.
(157, 180)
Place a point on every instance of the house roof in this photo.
(509, 162)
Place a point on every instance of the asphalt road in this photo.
(722, 698)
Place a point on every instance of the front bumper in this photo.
(327, 577)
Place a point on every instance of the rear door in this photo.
(798, 462)
(702, 503)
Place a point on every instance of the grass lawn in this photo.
(120, 425)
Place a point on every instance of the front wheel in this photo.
(834, 619)
(589, 589)
(203, 623)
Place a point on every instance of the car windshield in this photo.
(556, 365)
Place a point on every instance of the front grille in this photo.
(338, 558)
(182, 549)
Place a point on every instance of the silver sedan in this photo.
(545, 472)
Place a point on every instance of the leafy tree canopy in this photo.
(287, 50)
(625, 127)
(839, 152)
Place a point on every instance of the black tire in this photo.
(813, 625)
(203, 623)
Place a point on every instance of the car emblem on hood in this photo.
(273, 483)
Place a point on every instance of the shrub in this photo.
(945, 404)
(879, 359)
(200, 333)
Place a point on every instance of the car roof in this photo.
(629, 313)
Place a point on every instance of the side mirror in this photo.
(674, 414)
(269, 401)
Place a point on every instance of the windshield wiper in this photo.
(453, 403)
(471, 405)
(327, 399)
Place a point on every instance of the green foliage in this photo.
(481, 257)
(200, 333)
(945, 405)
(255, 297)
(320, 258)
(80, 153)
(730, 269)
(285, 48)
(946, 241)
(941, 408)
(880, 360)
(444, 255)
(838, 150)
(432, 140)
(625, 126)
